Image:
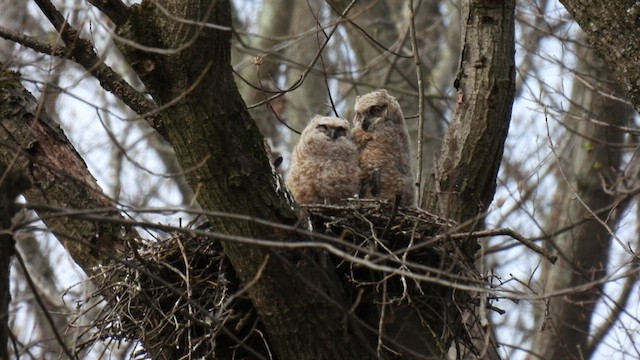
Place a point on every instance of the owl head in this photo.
(327, 129)
(377, 110)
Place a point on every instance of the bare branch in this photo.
(32, 43)
(418, 65)
(116, 10)
(83, 52)
(43, 308)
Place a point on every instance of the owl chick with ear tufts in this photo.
(380, 132)
(324, 165)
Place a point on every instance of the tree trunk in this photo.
(589, 160)
(464, 181)
(213, 135)
(613, 27)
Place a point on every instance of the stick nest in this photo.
(181, 295)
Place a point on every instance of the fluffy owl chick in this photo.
(324, 165)
(380, 133)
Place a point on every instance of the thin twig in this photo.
(578, 196)
(383, 314)
(428, 274)
(83, 52)
(42, 306)
(187, 284)
(33, 43)
(418, 64)
(264, 91)
(511, 233)
(366, 33)
(317, 55)
(392, 215)
(618, 308)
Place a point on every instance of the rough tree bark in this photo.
(589, 160)
(612, 27)
(464, 181)
(33, 143)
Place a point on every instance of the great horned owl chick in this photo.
(380, 133)
(324, 165)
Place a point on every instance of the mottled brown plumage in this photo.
(380, 132)
(324, 165)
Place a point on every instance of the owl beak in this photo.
(335, 133)
(366, 123)
(331, 132)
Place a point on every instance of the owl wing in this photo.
(370, 184)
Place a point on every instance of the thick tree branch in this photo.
(116, 10)
(35, 144)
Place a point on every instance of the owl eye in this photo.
(339, 132)
(376, 110)
(322, 128)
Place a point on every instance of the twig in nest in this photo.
(511, 233)
(392, 215)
